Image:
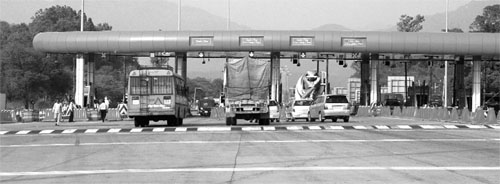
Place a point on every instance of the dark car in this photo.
(205, 106)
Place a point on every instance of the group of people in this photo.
(65, 109)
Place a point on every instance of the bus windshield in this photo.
(154, 85)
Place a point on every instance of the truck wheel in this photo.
(229, 121)
(346, 119)
(263, 121)
(334, 119)
(172, 121)
(180, 121)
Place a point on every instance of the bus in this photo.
(157, 94)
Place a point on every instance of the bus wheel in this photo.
(137, 122)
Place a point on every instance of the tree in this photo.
(27, 75)
(409, 24)
(453, 30)
(489, 22)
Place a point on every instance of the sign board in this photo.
(251, 41)
(201, 41)
(353, 41)
(302, 41)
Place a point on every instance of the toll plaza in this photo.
(369, 48)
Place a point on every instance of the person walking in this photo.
(71, 109)
(103, 107)
(57, 109)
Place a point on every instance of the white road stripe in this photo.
(23, 132)
(91, 131)
(382, 127)
(249, 169)
(337, 127)
(294, 128)
(251, 129)
(46, 131)
(68, 131)
(158, 129)
(3, 132)
(404, 127)
(135, 130)
(495, 126)
(429, 126)
(181, 129)
(475, 126)
(114, 130)
(450, 126)
(314, 128)
(208, 129)
(359, 127)
(269, 128)
(259, 141)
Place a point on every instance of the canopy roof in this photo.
(120, 42)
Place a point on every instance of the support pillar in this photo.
(181, 64)
(365, 71)
(476, 83)
(374, 79)
(79, 78)
(89, 81)
(460, 100)
(275, 75)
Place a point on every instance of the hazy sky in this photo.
(257, 14)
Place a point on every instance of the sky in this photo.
(127, 15)
(257, 14)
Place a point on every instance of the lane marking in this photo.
(255, 141)
(294, 128)
(269, 128)
(382, 127)
(136, 130)
(475, 126)
(23, 132)
(3, 132)
(114, 130)
(181, 129)
(68, 131)
(251, 129)
(358, 127)
(46, 131)
(208, 129)
(158, 129)
(248, 169)
(337, 127)
(404, 126)
(91, 131)
(450, 126)
(314, 128)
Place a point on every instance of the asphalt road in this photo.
(324, 155)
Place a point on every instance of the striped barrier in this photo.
(491, 116)
(465, 116)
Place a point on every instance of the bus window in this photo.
(162, 85)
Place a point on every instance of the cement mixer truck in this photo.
(247, 85)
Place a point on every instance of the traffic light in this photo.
(341, 59)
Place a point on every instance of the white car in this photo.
(330, 107)
(300, 109)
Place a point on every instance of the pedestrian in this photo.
(57, 109)
(103, 107)
(71, 109)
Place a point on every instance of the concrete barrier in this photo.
(465, 116)
(491, 116)
(454, 115)
(7, 116)
(479, 116)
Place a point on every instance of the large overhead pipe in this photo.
(484, 44)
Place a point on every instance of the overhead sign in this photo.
(202, 41)
(302, 41)
(251, 41)
(353, 41)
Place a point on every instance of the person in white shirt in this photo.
(103, 107)
(57, 109)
